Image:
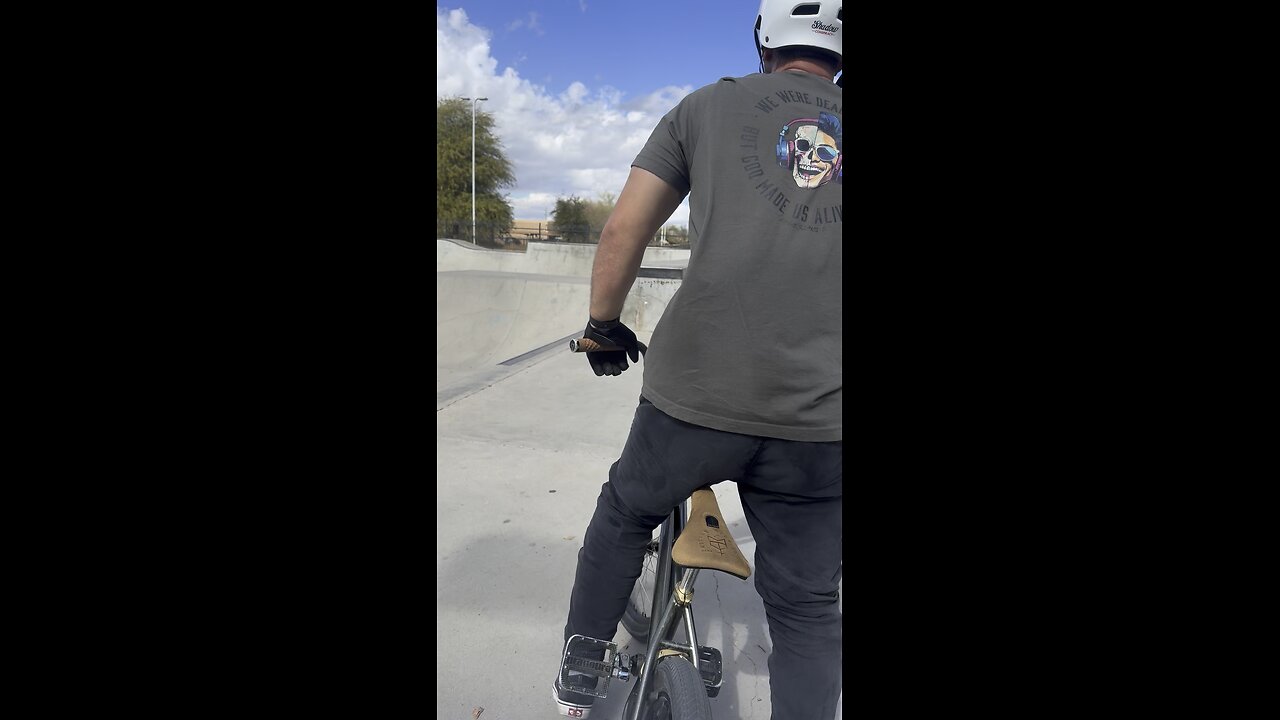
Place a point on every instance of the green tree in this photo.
(570, 220)
(494, 215)
(579, 220)
(598, 212)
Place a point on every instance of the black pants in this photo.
(791, 493)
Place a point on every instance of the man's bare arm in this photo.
(645, 203)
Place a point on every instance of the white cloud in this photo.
(580, 141)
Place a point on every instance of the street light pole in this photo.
(473, 166)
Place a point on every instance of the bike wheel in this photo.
(636, 617)
(678, 693)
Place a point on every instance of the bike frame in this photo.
(668, 588)
(666, 574)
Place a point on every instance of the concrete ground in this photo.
(523, 443)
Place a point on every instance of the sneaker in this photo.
(573, 704)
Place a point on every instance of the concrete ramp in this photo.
(490, 323)
(542, 258)
(499, 312)
(490, 317)
(539, 258)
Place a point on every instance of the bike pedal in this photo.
(586, 658)
(711, 667)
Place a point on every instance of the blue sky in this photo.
(633, 45)
(576, 86)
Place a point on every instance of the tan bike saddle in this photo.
(706, 542)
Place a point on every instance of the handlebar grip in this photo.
(589, 345)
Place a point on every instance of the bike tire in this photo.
(678, 693)
(635, 619)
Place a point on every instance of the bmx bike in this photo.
(673, 682)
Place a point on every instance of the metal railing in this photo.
(498, 235)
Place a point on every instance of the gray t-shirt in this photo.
(751, 341)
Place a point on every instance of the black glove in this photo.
(612, 333)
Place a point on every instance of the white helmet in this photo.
(815, 23)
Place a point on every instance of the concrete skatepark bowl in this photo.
(525, 435)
